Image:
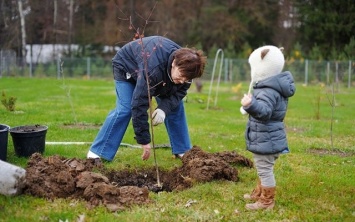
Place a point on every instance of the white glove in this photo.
(158, 117)
(242, 111)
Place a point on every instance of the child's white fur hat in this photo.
(265, 61)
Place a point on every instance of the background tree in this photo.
(284, 33)
(319, 27)
(328, 24)
(21, 9)
(10, 26)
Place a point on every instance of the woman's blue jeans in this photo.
(112, 131)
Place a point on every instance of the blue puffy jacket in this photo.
(265, 132)
(153, 56)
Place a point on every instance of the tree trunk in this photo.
(4, 14)
(55, 13)
(71, 6)
(23, 30)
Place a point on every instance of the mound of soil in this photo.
(57, 177)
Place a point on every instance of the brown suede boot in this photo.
(266, 200)
(255, 194)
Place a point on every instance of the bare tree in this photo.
(23, 29)
(70, 32)
(3, 12)
(55, 14)
(285, 32)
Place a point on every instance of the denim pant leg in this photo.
(112, 131)
(265, 168)
(176, 126)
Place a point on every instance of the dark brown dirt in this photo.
(81, 126)
(331, 151)
(28, 129)
(57, 177)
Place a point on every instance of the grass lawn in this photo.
(311, 185)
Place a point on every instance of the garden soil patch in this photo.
(56, 177)
(333, 152)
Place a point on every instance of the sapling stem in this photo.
(140, 36)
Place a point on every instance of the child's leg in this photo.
(265, 168)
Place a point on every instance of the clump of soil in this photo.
(57, 177)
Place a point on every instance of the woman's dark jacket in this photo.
(152, 56)
(265, 133)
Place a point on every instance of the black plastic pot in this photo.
(4, 134)
(29, 139)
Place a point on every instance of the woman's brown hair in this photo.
(190, 62)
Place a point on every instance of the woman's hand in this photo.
(158, 117)
(146, 151)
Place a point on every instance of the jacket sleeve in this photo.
(262, 105)
(169, 103)
(139, 107)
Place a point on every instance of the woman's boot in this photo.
(255, 194)
(266, 200)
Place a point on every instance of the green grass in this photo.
(311, 187)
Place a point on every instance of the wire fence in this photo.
(227, 70)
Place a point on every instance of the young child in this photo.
(267, 105)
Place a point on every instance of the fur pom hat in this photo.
(265, 62)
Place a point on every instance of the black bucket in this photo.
(4, 134)
(29, 139)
